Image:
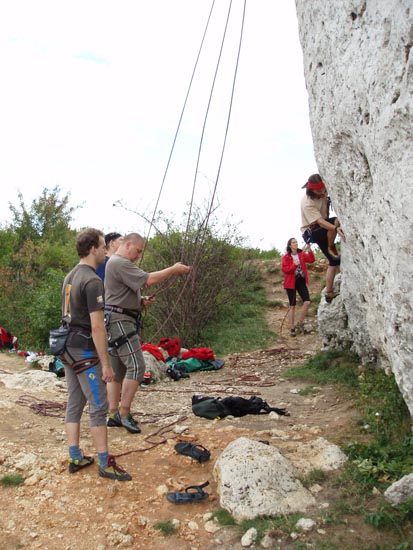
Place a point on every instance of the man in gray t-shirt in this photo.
(124, 303)
(86, 358)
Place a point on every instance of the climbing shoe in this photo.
(130, 424)
(329, 296)
(332, 250)
(114, 420)
(114, 471)
(292, 332)
(299, 327)
(76, 465)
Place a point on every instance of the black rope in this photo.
(180, 120)
(229, 113)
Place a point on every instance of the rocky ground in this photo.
(53, 510)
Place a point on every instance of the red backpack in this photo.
(7, 340)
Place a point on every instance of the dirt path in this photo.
(54, 510)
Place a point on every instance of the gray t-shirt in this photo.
(82, 294)
(123, 281)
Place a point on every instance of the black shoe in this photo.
(76, 465)
(300, 328)
(113, 471)
(329, 296)
(130, 424)
(292, 332)
(114, 420)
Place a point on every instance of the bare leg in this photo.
(100, 438)
(73, 433)
(330, 275)
(291, 313)
(113, 389)
(129, 388)
(331, 237)
(303, 312)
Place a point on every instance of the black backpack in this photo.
(211, 407)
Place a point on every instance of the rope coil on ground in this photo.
(45, 408)
(157, 434)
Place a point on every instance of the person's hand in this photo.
(181, 269)
(148, 300)
(107, 373)
(341, 233)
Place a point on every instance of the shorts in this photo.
(301, 288)
(127, 360)
(84, 387)
(318, 235)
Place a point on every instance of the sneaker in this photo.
(301, 328)
(113, 471)
(130, 424)
(329, 296)
(292, 332)
(332, 250)
(114, 420)
(76, 465)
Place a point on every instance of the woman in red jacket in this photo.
(295, 280)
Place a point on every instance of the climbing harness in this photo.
(130, 312)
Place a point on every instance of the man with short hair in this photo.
(124, 303)
(86, 358)
(112, 241)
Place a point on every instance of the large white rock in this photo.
(255, 480)
(400, 491)
(358, 65)
(36, 379)
(318, 454)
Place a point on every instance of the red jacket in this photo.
(288, 266)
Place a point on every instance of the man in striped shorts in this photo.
(124, 305)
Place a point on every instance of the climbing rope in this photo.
(159, 437)
(45, 408)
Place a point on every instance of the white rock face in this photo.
(358, 65)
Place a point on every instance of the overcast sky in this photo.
(92, 93)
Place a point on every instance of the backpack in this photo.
(211, 407)
(7, 340)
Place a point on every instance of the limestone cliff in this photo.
(358, 65)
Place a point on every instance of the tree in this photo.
(220, 270)
(40, 251)
(47, 218)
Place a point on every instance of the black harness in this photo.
(124, 338)
(129, 312)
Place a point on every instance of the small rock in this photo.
(249, 537)
(305, 524)
(162, 490)
(211, 527)
(268, 542)
(32, 480)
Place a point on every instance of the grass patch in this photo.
(224, 517)
(313, 477)
(309, 390)
(275, 303)
(315, 301)
(12, 480)
(329, 367)
(282, 525)
(165, 527)
(241, 326)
